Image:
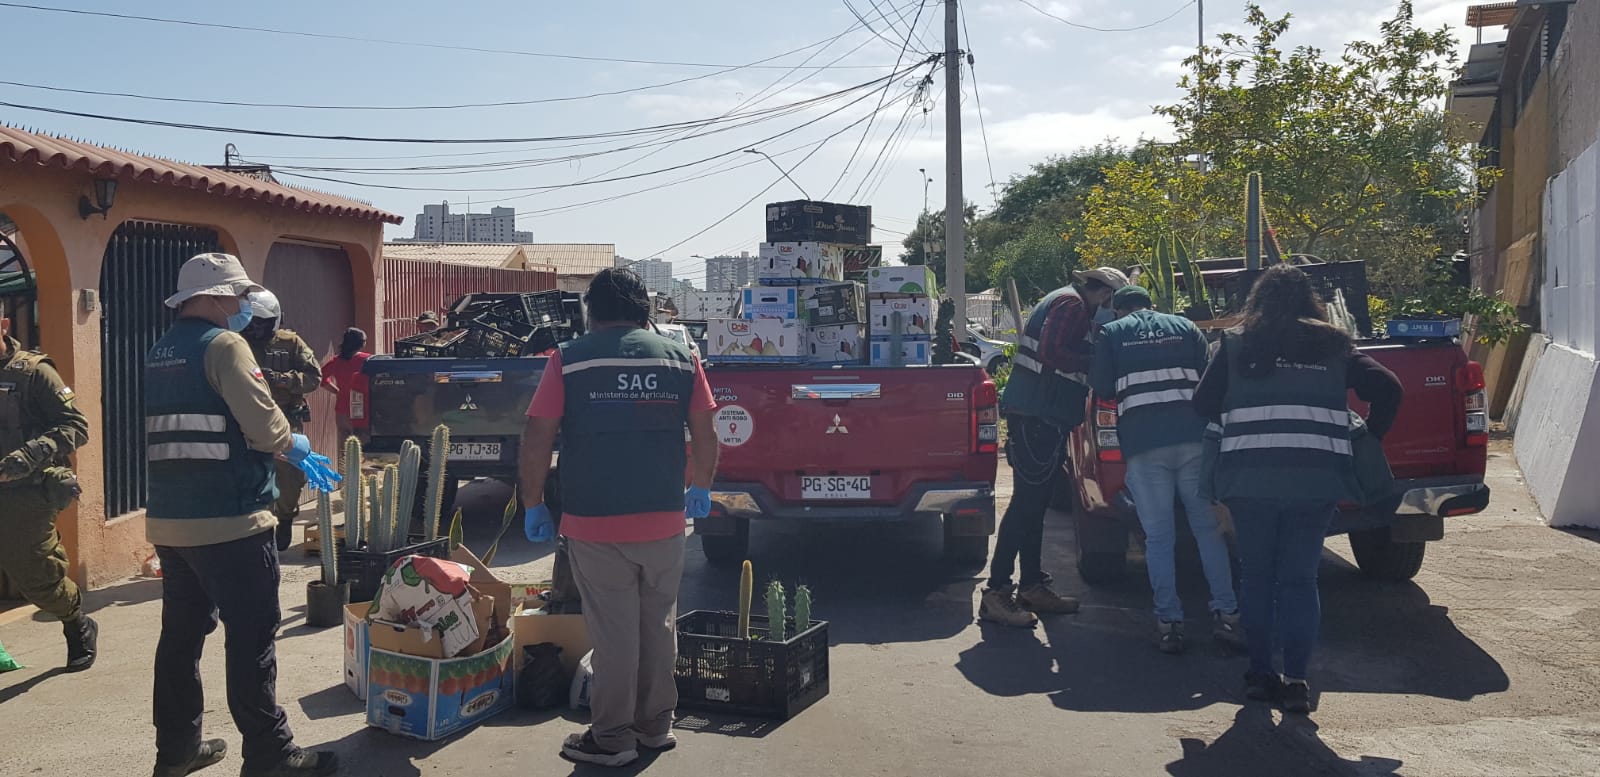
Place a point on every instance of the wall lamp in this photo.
(105, 194)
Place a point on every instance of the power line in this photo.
(365, 139)
(504, 103)
(977, 97)
(390, 42)
(868, 131)
(1093, 28)
(900, 14)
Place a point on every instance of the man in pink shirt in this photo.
(620, 398)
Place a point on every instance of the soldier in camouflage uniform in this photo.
(39, 427)
(290, 368)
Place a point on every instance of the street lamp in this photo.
(780, 169)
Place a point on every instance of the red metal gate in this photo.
(411, 287)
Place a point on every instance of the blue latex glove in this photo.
(319, 471)
(537, 524)
(697, 502)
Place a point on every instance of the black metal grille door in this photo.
(140, 270)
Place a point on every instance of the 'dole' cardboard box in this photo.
(785, 264)
(916, 316)
(913, 351)
(831, 304)
(780, 302)
(762, 340)
(915, 279)
(842, 344)
(432, 698)
(356, 648)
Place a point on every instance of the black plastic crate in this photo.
(470, 306)
(718, 671)
(493, 336)
(547, 337)
(1351, 277)
(442, 342)
(364, 569)
(544, 308)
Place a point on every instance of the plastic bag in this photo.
(541, 681)
(582, 683)
(7, 663)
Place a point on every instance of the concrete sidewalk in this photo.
(1488, 665)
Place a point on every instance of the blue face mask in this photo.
(238, 321)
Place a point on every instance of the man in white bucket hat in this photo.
(213, 433)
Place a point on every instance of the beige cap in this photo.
(1110, 276)
(212, 275)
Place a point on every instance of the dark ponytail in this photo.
(354, 340)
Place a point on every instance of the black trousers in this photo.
(1035, 449)
(237, 581)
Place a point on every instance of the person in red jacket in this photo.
(342, 375)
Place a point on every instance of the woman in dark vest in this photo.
(1278, 386)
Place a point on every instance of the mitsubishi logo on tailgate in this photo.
(837, 427)
(468, 405)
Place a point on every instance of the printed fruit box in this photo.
(810, 220)
(356, 648)
(788, 264)
(913, 351)
(916, 316)
(831, 304)
(915, 279)
(432, 698)
(780, 302)
(842, 344)
(763, 340)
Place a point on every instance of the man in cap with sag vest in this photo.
(39, 427)
(1150, 363)
(1043, 402)
(212, 432)
(621, 397)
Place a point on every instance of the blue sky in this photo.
(1046, 88)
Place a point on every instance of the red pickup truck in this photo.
(852, 445)
(1437, 450)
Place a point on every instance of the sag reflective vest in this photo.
(1286, 435)
(200, 465)
(622, 428)
(1036, 390)
(1159, 358)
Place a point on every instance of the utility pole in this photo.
(1199, 71)
(955, 225)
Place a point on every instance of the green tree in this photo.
(925, 245)
(1353, 149)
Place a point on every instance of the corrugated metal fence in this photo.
(412, 287)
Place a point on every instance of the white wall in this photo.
(1558, 432)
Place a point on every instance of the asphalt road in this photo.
(1489, 664)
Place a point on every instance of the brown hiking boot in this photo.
(1040, 599)
(999, 605)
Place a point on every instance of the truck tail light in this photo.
(1106, 439)
(986, 418)
(1474, 404)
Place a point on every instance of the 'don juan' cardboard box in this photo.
(432, 698)
(787, 264)
(916, 316)
(762, 340)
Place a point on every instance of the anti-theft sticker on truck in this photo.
(734, 426)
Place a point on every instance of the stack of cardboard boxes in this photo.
(901, 297)
(801, 308)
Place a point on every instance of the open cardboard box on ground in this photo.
(565, 631)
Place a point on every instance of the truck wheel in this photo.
(1102, 549)
(1381, 558)
(965, 552)
(724, 550)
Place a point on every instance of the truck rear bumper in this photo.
(755, 501)
(1443, 497)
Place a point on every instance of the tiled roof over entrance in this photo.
(23, 147)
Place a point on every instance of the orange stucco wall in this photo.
(66, 250)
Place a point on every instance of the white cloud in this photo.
(1036, 135)
(1029, 39)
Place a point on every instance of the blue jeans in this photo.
(1280, 548)
(237, 581)
(1154, 477)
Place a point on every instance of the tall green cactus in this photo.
(1193, 278)
(802, 609)
(775, 612)
(330, 548)
(438, 455)
(355, 515)
(388, 501)
(410, 467)
(374, 510)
